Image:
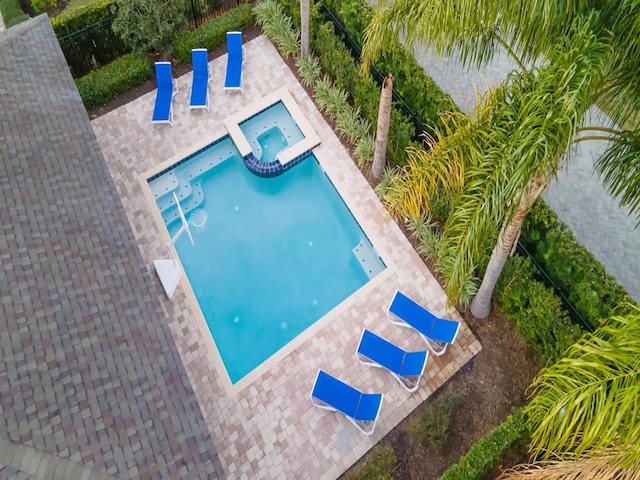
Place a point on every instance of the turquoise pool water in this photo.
(271, 255)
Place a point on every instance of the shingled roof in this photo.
(90, 378)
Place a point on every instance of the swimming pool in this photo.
(272, 255)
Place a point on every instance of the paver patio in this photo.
(269, 428)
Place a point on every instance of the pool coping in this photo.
(310, 141)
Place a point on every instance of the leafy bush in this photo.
(351, 125)
(378, 466)
(212, 34)
(578, 274)
(536, 309)
(354, 15)
(432, 428)
(489, 449)
(12, 14)
(419, 90)
(365, 150)
(277, 26)
(41, 6)
(105, 84)
(309, 70)
(335, 58)
(149, 25)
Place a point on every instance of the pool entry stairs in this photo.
(186, 182)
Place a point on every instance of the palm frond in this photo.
(619, 168)
(589, 399)
(604, 464)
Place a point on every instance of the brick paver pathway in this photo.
(269, 428)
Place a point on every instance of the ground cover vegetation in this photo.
(11, 12)
(353, 123)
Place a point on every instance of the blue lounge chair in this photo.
(201, 77)
(235, 60)
(437, 332)
(167, 87)
(361, 409)
(406, 367)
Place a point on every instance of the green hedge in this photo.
(100, 86)
(537, 311)
(337, 62)
(579, 275)
(12, 14)
(488, 451)
(130, 70)
(213, 33)
(93, 43)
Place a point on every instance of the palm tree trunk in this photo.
(481, 304)
(304, 28)
(382, 133)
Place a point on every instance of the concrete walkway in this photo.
(577, 196)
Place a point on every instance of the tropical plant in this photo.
(309, 70)
(277, 26)
(351, 125)
(585, 52)
(585, 407)
(329, 99)
(363, 151)
(149, 25)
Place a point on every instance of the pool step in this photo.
(368, 259)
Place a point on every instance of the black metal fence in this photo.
(199, 11)
(96, 45)
(356, 50)
(91, 47)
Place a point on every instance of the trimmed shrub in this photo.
(419, 90)
(213, 33)
(105, 84)
(12, 14)
(536, 309)
(335, 58)
(488, 451)
(577, 273)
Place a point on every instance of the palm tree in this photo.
(532, 32)
(585, 410)
(382, 133)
